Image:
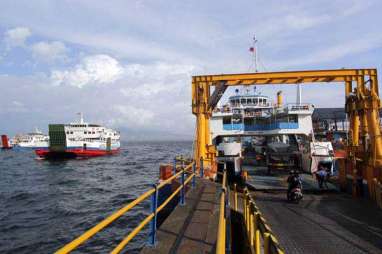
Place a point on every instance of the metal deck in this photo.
(323, 222)
(191, 228)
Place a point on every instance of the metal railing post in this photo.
(174, 168)
(235, 196)
(251, 224)
(194, 172)
(153, 224)
(182, 200)
(257, 233)
(266, 243)
(201, 168)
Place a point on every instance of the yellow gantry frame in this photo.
(362, 105)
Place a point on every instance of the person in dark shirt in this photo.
(294, 181)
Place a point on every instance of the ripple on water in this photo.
(45, 204)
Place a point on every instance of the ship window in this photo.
(71, 132)
(255, 101)
(249, 101)
(85, 132)
(243, 101)
(226, 120)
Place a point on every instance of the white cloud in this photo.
(16, 37)
(300, 22)
(94, 69)
(152, 79)
(49, 51)
(135, 116)
(334, 52)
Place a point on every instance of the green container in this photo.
(57, 137)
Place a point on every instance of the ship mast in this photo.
(81, 117)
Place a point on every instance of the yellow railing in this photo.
(256, 225)
(221, 237)
(152, 216)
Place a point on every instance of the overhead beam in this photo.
(305, 76)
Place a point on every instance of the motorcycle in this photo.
(295, 195)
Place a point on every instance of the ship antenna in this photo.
(253, 49)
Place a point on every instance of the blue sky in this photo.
(128, 64)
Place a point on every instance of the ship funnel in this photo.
(5, 142)
(279, 99)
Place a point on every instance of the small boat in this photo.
(80, 139)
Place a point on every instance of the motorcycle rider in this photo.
(294, 181)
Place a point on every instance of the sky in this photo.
(128, 64)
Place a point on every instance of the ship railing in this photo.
(300, 107)
(256, 226)
(190, 170)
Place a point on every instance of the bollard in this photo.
(174, 168)
(182, 191)
(201, 168)
(153, 224)
(194, 177)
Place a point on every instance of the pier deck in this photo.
(191, 228)
(323, 222)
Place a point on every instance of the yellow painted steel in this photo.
(133, 233)
(163, 183)
(91, 232)
(75, 243)
(256, 226)
(220, 246)
(221, 237)
(235, 196)
(266, 243)
(362, 107)
(257, 233)
(279, 99)
(163, 205)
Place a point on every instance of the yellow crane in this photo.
(364, 148)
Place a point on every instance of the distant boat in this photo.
(5, 144)
(80, 139)
(32, 140)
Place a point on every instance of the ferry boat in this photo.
(80, 139)
(266, 133)
(33, 140)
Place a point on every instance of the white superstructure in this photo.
(255, 114)
(34, 140)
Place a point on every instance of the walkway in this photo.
(191, 228)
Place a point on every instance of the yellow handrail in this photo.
(256, 225)
(92, 231)
(136, 230)
(221, 237)
(79, 240)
